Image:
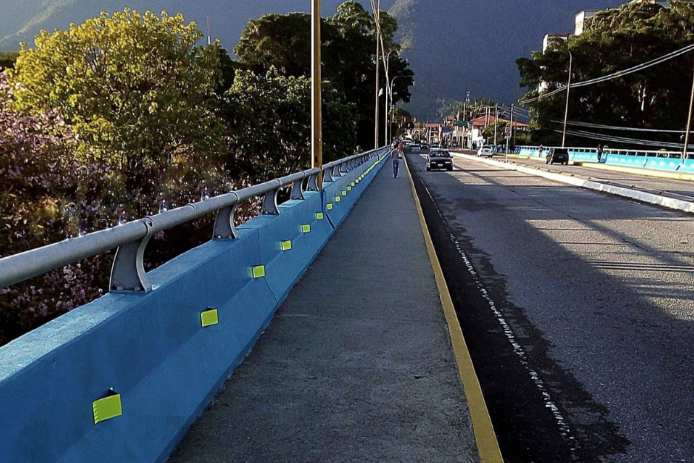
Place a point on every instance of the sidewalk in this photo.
(357, 365)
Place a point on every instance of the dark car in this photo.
(439, 159)
(560, 155)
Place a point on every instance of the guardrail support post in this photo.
(224, 228)
(270, 203)
(128, 271)
(298, 190)
(313, 181)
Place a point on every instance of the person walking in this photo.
(396, 155)
(599, 152)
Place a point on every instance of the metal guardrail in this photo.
(131, 238)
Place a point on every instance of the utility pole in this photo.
(316, 95)
(377, 19)
(496, 119)
(566, 112)
(689, 125)
(510, 134)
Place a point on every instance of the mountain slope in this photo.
(459, 45)
(21, 21)
(471, 45)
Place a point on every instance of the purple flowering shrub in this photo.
(47, 195)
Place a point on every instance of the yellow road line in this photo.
(487, 444)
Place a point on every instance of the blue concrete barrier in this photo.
(667, 161)
(156, 350)
(340, 196)
(289, 242)
(687, 166)
(668, 164)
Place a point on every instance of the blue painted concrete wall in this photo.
(152, 349)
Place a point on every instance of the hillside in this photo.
(22, 20)
(458, 45)
(471, 45)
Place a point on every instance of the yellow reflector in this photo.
(259, 271)
(107, 408)
(286, 245)
(344, 193)
(337, 199)
(306, 228)
(330, 206)
(209, 317)
(349, 188)
(352, 183)
(319, 216)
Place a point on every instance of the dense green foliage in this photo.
(276, 109)
(614, 40)
(283, 42)
(134, 88)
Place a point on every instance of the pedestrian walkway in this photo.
(357, 365)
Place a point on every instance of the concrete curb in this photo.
(649, 198)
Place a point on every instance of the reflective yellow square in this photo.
(209, 317)
(107, 408)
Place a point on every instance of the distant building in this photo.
(581, 18)
(549, 38)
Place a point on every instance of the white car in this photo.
(485, 151)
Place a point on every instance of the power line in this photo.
(625, 140)
(613, 127)
(617, 74)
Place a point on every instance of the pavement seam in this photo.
(487, 444)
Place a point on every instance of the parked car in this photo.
(424, 147)
(415, 148)
(560, 155)
(434, 146)
(485, 151)
(439, 159)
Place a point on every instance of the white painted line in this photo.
(650, 198)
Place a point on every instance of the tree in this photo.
(284, 42)
(270, 124)
(134, 88)
(614, 40)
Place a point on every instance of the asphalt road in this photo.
(578, 309)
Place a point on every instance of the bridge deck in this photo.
(357, 365)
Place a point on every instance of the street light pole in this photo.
(377, 19)
(496, 119)
(388, 90)
(566, 111)
(689, 125)
(316, 94)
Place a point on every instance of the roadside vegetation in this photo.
(656, 97)
(126, 115)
